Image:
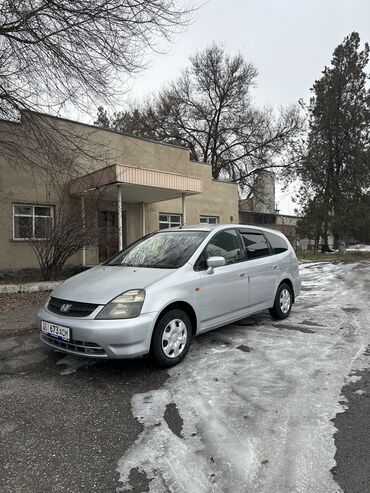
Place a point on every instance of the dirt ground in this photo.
(15, 301)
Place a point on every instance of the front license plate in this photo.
(56, 330)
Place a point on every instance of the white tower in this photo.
(264, 192)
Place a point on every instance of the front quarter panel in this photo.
(182, 286)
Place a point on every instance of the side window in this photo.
(225, 244)
(279, 245)
(255, 244)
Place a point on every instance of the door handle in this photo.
(275, 266)
(242, 274)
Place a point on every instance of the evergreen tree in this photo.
(335, 169)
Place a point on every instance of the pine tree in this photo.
(336, 167)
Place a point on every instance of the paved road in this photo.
(246, 405)
(352, 440)
(65, 425)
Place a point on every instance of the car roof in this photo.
(218, 227)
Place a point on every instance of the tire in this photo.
(177, 322)
(283, 302)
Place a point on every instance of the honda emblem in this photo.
(65, 307)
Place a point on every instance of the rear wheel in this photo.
(283, 302)
(171, 338)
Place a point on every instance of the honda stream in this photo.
(169, 286)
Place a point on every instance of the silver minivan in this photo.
(165, 288)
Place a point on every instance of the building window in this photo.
(209, 219)
(169, 221)
(32, 221)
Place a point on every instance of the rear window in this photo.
(255, 244)
(279, 245)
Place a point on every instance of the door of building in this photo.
(108, 233)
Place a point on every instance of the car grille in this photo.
(70, 308)
(79, 347)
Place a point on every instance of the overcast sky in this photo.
(289, 41)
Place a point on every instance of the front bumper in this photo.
(102, 338)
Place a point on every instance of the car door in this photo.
(261, 268)
(225, 292)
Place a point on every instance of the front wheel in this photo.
(171, 338)
(283, 302)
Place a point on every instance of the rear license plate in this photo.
(55, 330)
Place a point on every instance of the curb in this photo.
(29, 287)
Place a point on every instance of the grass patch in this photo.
(330, 257)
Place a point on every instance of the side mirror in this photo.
(213, 262)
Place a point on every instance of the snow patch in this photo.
(359, 392)
(353, 378)
(257, 421)
(358, 248)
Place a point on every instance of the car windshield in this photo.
(164, 250)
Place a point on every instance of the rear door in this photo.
(225, 293)
(261, 268)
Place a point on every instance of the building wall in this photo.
(21, 184)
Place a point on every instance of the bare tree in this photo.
(209, 110)
(48, 146)
(64, 231)
(64, 238)
(52, 52)
(72, 52)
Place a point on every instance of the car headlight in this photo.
(126, 305)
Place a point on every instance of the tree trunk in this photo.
(325, 242)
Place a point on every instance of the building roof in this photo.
(96, 127)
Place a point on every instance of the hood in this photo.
(101, 284)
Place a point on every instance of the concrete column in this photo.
(183, 209)
(143, 222)
(83, 217)
(119, 205)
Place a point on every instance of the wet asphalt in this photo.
(65, 423)
(352, 440)
(63, 430)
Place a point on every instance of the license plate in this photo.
(56, 330)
